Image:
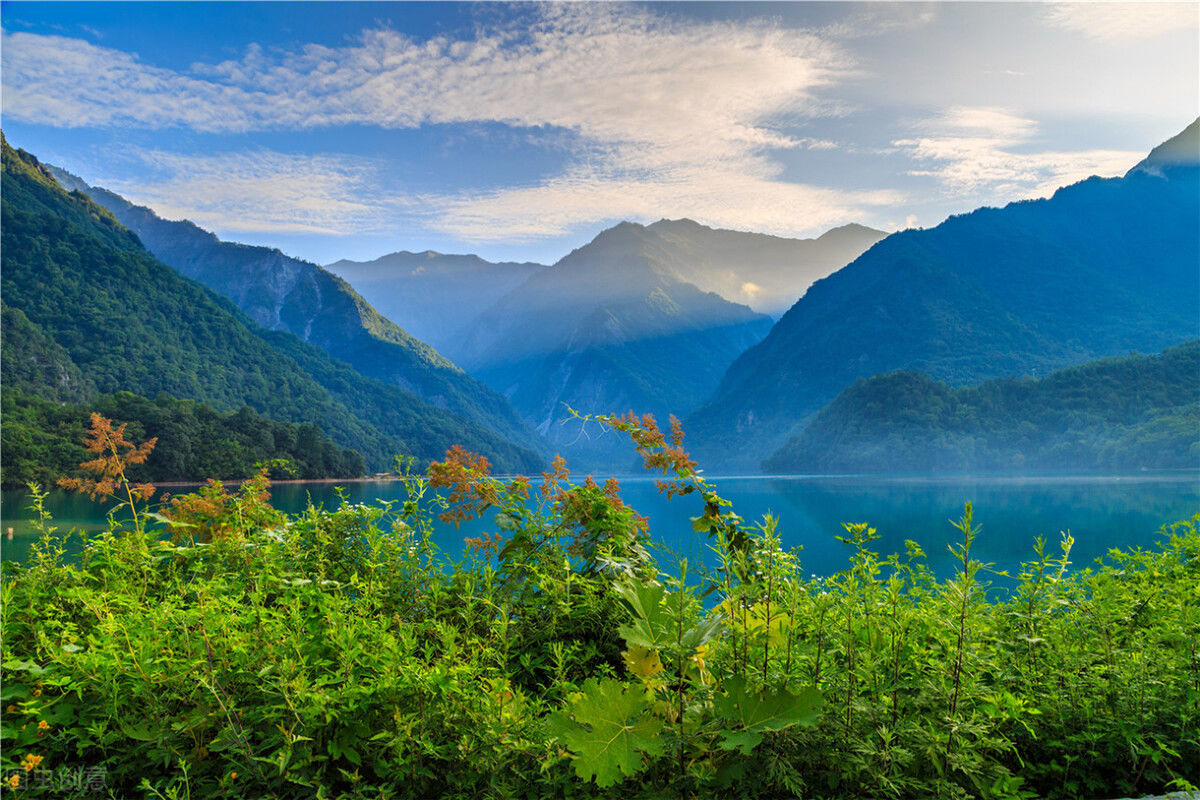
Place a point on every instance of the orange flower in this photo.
(43, 725)
(30, 761)
(37, 692)
(12, 709)
(15, 780)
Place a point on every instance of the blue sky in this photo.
(519, 131)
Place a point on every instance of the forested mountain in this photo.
(612, 326)
(43, 440)
(432, 295)
(1116, 414)
(93, 297)
(1104, 267)
(286, 294)
(767, 273)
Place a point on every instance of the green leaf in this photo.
(762, 711)
(608, 729)
(652, 622)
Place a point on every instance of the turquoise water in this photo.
(1101, 513)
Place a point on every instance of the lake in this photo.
(1101, 512)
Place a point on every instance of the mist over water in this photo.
(1100, 512)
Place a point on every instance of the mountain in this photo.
(1104, 267)
(98, 308)
(1130, 413)
(286, 294)
(612, 326)
(1181, 150)
(433, 295)
(767, 273)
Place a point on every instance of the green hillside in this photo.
(1116, 414)
(129, 323)
(281, 293)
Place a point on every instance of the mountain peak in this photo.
(1181, 150)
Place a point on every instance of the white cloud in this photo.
(736, 193)
(672, 118)
(1105, 21)
(260, 191)
(610, 73)
(973, 150)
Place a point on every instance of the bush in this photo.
(216, 648)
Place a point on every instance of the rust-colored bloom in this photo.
(113, 455)
(466, 475)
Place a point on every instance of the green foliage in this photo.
(762, 712)
(42, 440)
(1131, 413)
(232, 651)
(610, 727)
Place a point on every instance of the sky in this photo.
(351, 130)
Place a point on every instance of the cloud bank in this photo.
(973, 150)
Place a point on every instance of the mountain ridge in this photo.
(1102, 267)
(284, 293)
(1125, 413)
(127, 322)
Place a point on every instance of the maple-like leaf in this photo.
(655, 623)
(608, 729)
(644, 662)
(762, 711)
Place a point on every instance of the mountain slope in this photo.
(128, 322)
(612, 326)
(1113, 414)
(433, 295)
(1103, 267)
(286, 294)
(767, 273)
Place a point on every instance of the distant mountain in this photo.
(612, 326)
(97, 310)
(1130, 413)
(286, 294)
(1104, 267)
(767, 273)
(432, 295)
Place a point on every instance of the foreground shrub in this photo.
(216, 648)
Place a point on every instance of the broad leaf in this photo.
(762, 711)
(652, 623)
(608, 729)
(643, 662)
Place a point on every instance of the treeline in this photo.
(42, 440)
(1131, 413)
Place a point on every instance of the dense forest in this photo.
(99, 313)
(1131, 413)
(42, 440)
